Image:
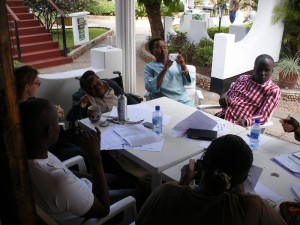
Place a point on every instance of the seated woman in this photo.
(164, 77)
(219, 197)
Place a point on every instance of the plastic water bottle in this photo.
(254, 135)
(157, 120)
(122, 108)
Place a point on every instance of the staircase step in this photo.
(25, 39)
(31, 30)
(25, 16)
(20, 9)
(45, 63)
(37, 55)
(38, 46)
(13, 3)
(27, 23)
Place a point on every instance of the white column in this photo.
(125, 39)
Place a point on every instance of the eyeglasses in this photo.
(37, 83)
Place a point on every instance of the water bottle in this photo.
(122, 108)
(254, 135)
(157, 120)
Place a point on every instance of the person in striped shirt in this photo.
(251, 96)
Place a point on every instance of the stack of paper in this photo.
(130, 137)
(289, 162)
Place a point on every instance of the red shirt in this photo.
(250, 100)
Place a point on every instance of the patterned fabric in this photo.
(250, 100)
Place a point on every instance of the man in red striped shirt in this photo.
(251, 96)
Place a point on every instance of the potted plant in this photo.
(288, 70)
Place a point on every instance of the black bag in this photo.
(133, 99)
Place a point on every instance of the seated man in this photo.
(290, 124)
(251, 96)
(164, 77)
(68, 198)
(219, 197)
(101, 92)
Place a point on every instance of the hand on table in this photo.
(242, 122)
(224, 101)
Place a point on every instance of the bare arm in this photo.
(90, 142)
(162, 74)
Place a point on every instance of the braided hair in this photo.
(226, 162)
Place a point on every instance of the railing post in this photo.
(18, 41)
(64, 34)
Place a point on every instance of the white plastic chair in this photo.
(126, 205)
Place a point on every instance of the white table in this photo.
(262, 158)
(175, 150)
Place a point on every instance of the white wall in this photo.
(230, 59)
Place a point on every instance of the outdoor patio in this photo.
(284, 109)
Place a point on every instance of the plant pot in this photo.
(288, 82)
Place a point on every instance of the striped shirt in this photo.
(250, 100)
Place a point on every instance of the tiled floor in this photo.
(142, 31)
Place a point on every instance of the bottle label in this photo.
(254, 135)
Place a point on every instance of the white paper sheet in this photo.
(110, 140)
(140, 111)
(267, 193)
(137, 135)
(252, 179)
(197, 120)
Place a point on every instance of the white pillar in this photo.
(125, 39)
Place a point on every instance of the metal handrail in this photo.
(62, 17)
(16, 21)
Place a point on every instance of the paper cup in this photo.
(94, 113)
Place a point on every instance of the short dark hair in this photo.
(83, 81)
(152, 42)
(262, 58)
(229, 154)
(24, 75)
(36, 115)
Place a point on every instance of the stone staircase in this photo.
(36, 45)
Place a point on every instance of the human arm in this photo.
(269, 101)
(90, 143)
(224, 101)
(184, 69)
(188, 173)
(60, 112)
(290, 124)
(151, 73)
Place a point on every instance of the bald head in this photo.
(40, 123)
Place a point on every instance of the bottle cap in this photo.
(157, 108)
(257, 120)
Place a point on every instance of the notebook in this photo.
(201, 134)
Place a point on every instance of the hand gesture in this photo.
(168, 64)
(84, 101)
(60, 112)
(180, 60)
(290, 124)
(224, 101)
(90, 142)
(188, 173)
